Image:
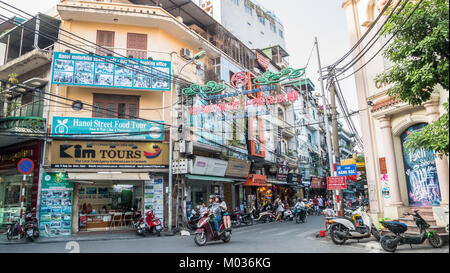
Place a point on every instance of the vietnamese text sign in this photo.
(209, 166)
(86, 70)
(123, 129)
(82, 154)
(346, 170)
(238, 168)
(336, 183)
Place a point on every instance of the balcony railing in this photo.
(18, 123)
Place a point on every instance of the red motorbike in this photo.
(151, 225)
(204, 232)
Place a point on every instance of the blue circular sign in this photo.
(25, 166)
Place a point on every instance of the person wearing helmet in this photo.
(217, 211)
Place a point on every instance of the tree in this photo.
(420, 53)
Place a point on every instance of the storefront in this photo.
(318, 187)
(238, 171)
(257, 192)
(110, 180)
(11, 181)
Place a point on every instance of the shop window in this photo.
(117, 106)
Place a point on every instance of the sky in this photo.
(303, 20)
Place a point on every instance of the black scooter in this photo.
(193, 220)
(390, 242)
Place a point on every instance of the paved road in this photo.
(286, 237)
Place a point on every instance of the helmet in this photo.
(212, 196)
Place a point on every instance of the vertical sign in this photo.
(153, 197)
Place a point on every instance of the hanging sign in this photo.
(211, 87)
(270, 77)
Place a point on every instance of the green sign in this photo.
(55, 217)
(272, 78)
(210, 88)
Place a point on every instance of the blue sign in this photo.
(87, 70)
(25, 166)
(94, 128)
(346, 170)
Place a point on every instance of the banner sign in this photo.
(318, 183)
(209, 166)
(283, 171)
(153, 197)
(238, 168)
(336, 183)
(119, 129)
(55, 217)
(346, 170)
(82, 154)
(106, 71)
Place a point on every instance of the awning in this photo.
(208, 178)
(108, 176)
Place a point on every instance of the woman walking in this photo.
(280, 211)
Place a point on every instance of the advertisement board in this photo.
(238, 168)
(55, 217)
(123, 129)
(87, 70)
(209, 166)
(80, 154)
(153, 197)
(336, 183)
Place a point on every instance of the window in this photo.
(115, 106)
(137, 45)
(281, 33)
(105, 39)
(273, 28)
(262, 33)
(248, 23)
(248, 9)
(262, 20)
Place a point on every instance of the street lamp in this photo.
(197, 56)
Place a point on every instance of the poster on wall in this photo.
(421, 174)
(153, 197)
(55, 217)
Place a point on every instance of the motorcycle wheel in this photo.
(335, 237)
(375, 233)
(385, 244)
(226, 239)
(297, 220)
(30, 238)
(200, 239)
(249, 221)
(435, 241)
(304, 219)
(237, 223)
(36, 234)
(9, 235)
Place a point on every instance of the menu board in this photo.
(56, 206)
(106, 71)
(153, 197)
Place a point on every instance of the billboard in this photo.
(336, 183)
(106, 71)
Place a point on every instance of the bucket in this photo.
(322, 233)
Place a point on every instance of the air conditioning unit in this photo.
(187, 53)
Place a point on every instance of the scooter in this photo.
(288, 215)
(138, 222)
(300, 215)
(30, 227)
(359, 226)
(265, 216)
(246, 218)
(193, 220)
(235, 218)
(390, 242)
(151, 225)
(205, 233)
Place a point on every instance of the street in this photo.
(286, 237)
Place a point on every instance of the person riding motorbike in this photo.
(217, 211)
(299, 204)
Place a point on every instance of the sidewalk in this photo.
(82, 236)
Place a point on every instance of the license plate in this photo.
(158, 228)
(30, 232)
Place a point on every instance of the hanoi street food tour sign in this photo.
(103, 128)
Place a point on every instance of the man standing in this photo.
(320, 203)
(316, 204)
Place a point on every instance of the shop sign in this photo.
(346, 170)
(294, 178)
(256, 180)
(238, 168)
(336, 183)
(108, 155)
(55, 217)
(153, 197)
(283, 171)
(106, 71)
(123, 129)
(209, 166)
(318, 183)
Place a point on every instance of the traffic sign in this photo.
(336, 183)
(25, 166)
(346, 170)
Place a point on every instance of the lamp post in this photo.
(196, 57)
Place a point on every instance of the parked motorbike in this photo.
(205, 231)
(264, 216)
(288, 215)
(193, 220)
(246, 218)
(151, 224)
(359, 226)
(235, 218)
(390, 242)
(300, 215)
(30, 227)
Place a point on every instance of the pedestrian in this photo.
(280, 210)
(225, 215)
(320, 205)
(316, 204)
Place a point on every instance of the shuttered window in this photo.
(117, 106)
(105, 39)
(137, 45)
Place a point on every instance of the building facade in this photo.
(397, 180)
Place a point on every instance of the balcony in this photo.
(287, 129)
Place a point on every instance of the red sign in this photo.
(256, 180)
(25, 166)
(336, 183)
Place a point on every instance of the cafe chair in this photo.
(116, 219)
(127, 219)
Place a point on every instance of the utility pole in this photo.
(337, 153)
(327, 128)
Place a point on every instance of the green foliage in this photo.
(420, 53)
(433, 136)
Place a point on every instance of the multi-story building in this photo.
(250, 22)
(397, 179)
(346, 143)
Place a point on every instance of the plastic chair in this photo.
(116, 218)
(127, 219)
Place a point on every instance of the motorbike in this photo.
(359, 226)
(193, 220)
(300, 215)
(246, 218)
(29, 229)
(205, 231)
(288, 215)
(151, 225)
(264, 216)
(235, 218)
(390, 242)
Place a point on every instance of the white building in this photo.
(255, 26)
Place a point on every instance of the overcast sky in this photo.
(303, 20)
